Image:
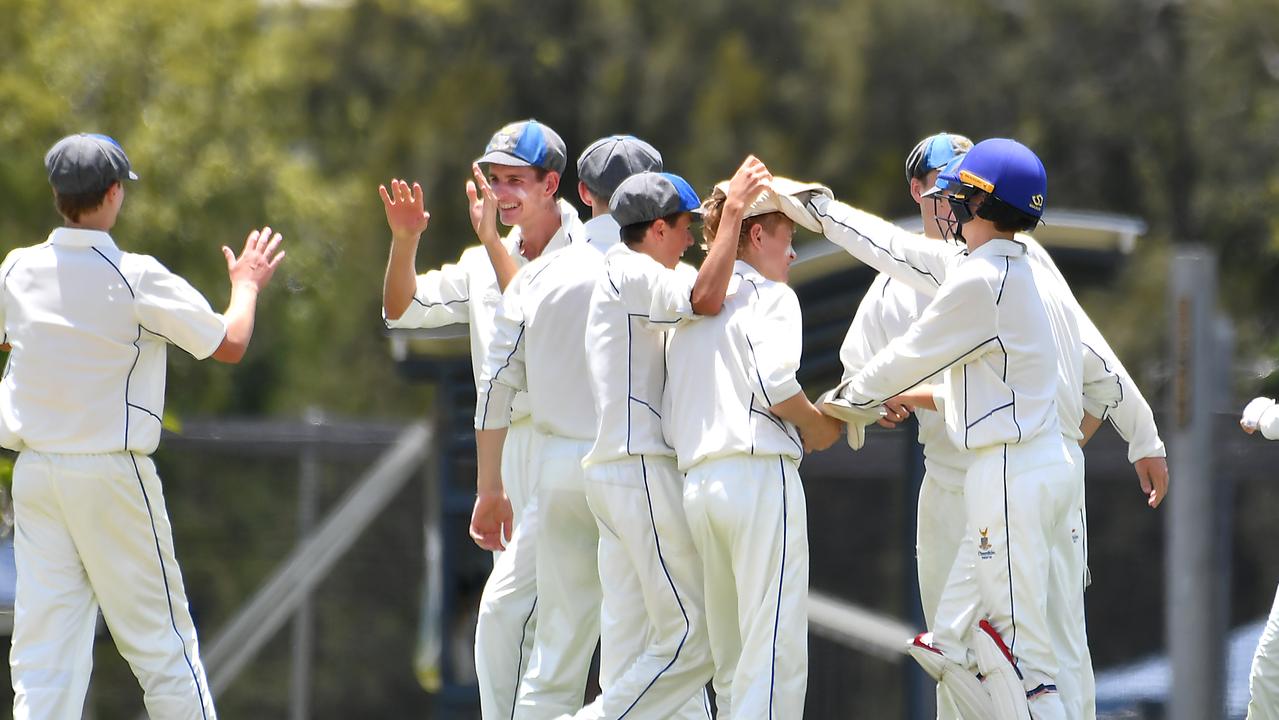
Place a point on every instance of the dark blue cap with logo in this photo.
(85, 163)
(648, 196)
(1004, 168)
(527, 143)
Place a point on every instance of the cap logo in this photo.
(976, 181)
(1037, 201)
(506, 139)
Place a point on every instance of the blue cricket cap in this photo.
(527, 143)
(1006, 169)
(934, 152)
(647, 196)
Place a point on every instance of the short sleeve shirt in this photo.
(88, 326)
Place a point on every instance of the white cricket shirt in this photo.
(538, 342)
(636, 301)
(467, 292)
(726, 371)
(88, 324)
(986, 327)
(1108, 392)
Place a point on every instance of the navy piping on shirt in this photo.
(488, 396)
(1105, 412)
(872, 243)
(934, 372)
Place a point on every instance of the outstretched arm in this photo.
(913, 259)
(249, 273)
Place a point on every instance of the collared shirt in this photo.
(88, 325)
(728, 370)
(468, 292)
(1091, 378)
(538, 342)
(635, 302)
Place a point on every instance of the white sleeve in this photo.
(660, 296)
(167, 306)
(866, 335)
(5, 266)
(503, 373)
(1130, 414)
(957, 326)
(1101, 386)
(1269, 423)
(773, 337)
(913, 259)
(442, 298)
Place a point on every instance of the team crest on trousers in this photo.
(985, 550)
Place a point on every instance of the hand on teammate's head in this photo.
(749, 181)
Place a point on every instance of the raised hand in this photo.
(483, 205)
(405, 212)
(258, 261)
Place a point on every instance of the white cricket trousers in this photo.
(1263, 682)
(508, 606)
(939, 529)
(658, 655)
(568, 585)
(92, 531)
(1018, 565)
(749, 522)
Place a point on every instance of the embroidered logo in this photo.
(1037, 201)
(985, 550)
(1074, 535)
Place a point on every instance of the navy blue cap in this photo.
(1004, 168)
(527, 143)
(85, 163)
(647, 196)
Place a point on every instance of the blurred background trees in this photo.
(238, 113)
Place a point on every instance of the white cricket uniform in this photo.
(538, 346)
(989, 329)
(1263, 680)
(743, 495)
(887, 311)
(468, 292)
(656, 660)
(81, 400)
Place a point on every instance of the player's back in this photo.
(88, 325)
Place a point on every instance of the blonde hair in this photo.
(713, 210)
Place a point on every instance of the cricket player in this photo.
(998, 337)
(1263, 682)
(651, 571)
(740, 423)
(87, 326)
(540, 345)
(886, 312)
(516, 182)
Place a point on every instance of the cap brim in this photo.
(498, 157)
